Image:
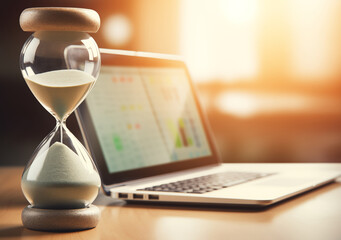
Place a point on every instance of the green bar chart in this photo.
(181, 132)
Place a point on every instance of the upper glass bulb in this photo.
(60, 68)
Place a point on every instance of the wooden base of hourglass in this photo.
(60, 220)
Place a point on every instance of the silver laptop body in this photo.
(145, 129)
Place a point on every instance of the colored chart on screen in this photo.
(145, 117)
(176, 113)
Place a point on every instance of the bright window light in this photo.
(312, 31)
(248, 104)
(217, 44)
(117, 30)
(240, 11)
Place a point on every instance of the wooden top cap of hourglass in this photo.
(59, 19)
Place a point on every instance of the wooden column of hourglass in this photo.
(56, 207)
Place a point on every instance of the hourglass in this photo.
(60, 63)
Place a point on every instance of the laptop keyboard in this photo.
(207, 183)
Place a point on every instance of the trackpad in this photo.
(286, 182)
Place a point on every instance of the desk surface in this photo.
(313, 215)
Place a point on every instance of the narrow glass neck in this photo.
(62, 127)
(59, 118)
(60, 123)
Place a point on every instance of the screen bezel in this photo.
(127, 58)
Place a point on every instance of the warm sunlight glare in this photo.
(260, 40)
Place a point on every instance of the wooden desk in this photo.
(314, 215)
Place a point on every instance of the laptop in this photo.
(145, 129)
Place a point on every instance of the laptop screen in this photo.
(143, 119)
(146, 116)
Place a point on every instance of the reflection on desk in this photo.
(314, 215)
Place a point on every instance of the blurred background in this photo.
(268, 73)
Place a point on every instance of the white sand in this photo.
(61, 91)
(59, 178)
(62, 78)
(59, 164)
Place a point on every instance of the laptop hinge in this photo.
(115, 185)
(106, 188)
